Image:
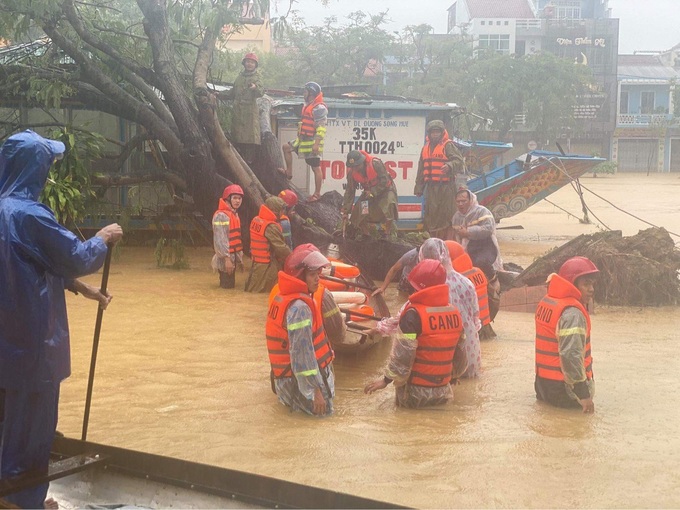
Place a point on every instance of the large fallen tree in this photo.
(148, 63)
(640, 270)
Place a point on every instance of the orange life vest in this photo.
(463, 265)
(561, 294)
(434, 158)
(441, 328)
(370, 180)
(259, 245)
(307, 124)
(235, 240)
(290, 289)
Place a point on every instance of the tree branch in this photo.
(157, 30)
(129, 68)
(138, 178)
(205, 52)
(224, 150)
(74, 19)
(141, 113)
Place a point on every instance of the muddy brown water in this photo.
(183, 371)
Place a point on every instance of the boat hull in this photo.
(513, 188)
(479, 154)
(153, 481)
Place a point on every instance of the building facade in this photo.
(581, 31)
(647, 135)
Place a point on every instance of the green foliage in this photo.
(607, 167)
(48, 93)
(415, 238)
(431, 67)
(339, 53)
(170, 254)
(68, 191)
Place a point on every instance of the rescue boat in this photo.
(513, 188)
(351, 292)
(360, 310)
(90, 475)
(480, 153)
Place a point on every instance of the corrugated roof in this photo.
(518, 9)
(639, 60)
(372, 104)
(659, 73)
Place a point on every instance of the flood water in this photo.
(183, 371)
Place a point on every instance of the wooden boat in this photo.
(84, 474)
(359, 336)
(513, 188)
(479, 154)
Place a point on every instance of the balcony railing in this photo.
(529, 24)
(643, 120)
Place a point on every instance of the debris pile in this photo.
(640, 270)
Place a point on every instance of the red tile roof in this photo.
(518, 9)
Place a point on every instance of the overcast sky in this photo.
(644, 25)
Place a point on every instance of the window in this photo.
(623, 107)
(506, 23)
(568, 9)
(482, 22)
(646, 102)
(497, 42)
(498, 22)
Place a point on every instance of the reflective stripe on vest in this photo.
(277, 334)
(235, 240)
(433, 163)
(441, 329)
(307, 124)
(547, 317)
(478, 279)
(259, 245)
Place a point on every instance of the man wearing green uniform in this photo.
(268, 248)
(245, 117)
(378, 200)
(439, 163)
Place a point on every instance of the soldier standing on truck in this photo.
(439, 163)
(311, 134)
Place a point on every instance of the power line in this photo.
(561, 169)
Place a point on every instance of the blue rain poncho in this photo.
(39, 258)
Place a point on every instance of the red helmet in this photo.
(455, 249)
(232, 189)
(252, 57)
(576, 267)
(289, 197)
(304, 257)
(426, 274)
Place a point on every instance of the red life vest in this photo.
(441, 328)
(235, 240)
(259, 245)
(561, 294)
(463, 265)
(307, 124)
(434, 158)
(290, 289)
(370, 180)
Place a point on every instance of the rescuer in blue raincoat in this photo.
(39, 258)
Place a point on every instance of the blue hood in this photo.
(25, 160)
(38, 257)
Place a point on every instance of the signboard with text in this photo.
(396, 139)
